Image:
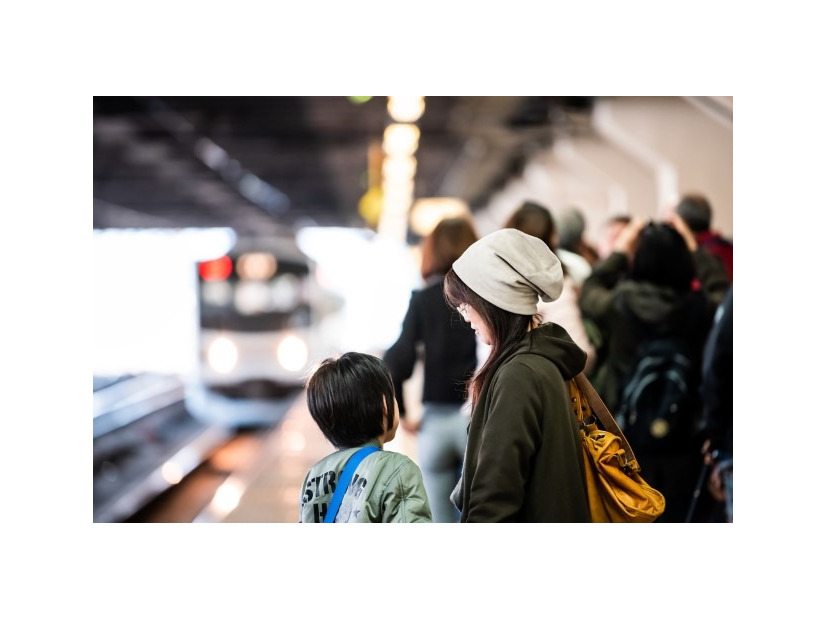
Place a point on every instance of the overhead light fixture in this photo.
(427, 212)
(401, 139)
(405, 109)
(396, 169)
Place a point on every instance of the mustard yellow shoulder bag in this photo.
(616, 491)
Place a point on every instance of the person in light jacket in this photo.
(352, 401)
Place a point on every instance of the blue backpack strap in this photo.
(344, 481)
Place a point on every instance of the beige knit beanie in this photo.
(511, 269)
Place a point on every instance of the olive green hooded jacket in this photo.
(524, 454)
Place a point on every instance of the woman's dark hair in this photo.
(534, 219)
(446, 243)
(347, 398)
(663, 258)
(506, 328)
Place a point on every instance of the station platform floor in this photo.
(266, 489)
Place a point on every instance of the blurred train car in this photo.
(256, 339)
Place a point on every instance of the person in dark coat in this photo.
(524, 460)
(717, 391)
(449, 359)
(656, 284)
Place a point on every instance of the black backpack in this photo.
(659, 404)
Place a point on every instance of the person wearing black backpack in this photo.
(654, 299)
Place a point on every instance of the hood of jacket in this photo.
(649, 303)
(551, 341)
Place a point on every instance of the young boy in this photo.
(352, 401)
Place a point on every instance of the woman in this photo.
(449, 350)
(524, 457)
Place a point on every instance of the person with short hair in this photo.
(353, 402)
(573, 250)
(524, 459)
(611, 229)
(696, 212)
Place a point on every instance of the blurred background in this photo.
(238, 241)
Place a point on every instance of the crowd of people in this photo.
(645, 314)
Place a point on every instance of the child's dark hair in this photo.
(347, 398)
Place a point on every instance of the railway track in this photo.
(187, 500)
(145, 442)
(156, 463)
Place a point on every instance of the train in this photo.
(258, 307)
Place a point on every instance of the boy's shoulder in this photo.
(391, 460)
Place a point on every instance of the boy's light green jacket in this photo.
(386, 487)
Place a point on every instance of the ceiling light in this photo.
(405, 109)
(427, 212)
(401, 139)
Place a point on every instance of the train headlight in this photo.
(222, 355)
(292, 353)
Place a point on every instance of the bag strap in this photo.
(601, 411)
(344, 481)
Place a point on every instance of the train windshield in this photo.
(252, 292)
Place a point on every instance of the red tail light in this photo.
(218, 269)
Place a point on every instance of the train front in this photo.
(256, 339)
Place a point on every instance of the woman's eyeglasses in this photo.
(463, 310)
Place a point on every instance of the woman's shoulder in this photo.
(432, 289)
(523, 368)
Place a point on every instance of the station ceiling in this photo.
(271, 164)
